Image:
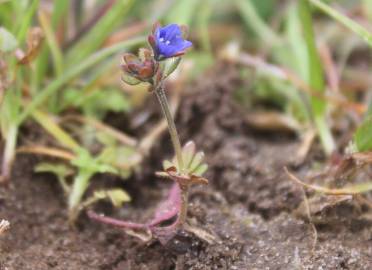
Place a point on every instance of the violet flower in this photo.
(168, 41)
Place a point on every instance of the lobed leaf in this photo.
(116, 196)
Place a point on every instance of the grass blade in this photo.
(52, 43)
(74, 71)
(95, 38)
(59, 9)
(58, 133)
(315, 78)
(363, 135)
(26, 20)
(349, 23)
(41, 66)
(254, 21)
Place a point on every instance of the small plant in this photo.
(153, 66)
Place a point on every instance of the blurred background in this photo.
(267, 84)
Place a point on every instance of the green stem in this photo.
(9, 151)
(78, 188)
(162, 98)
(315, 78)
(325, 135)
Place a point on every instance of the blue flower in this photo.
(168, 42)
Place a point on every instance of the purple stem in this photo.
(167, 209)
(116, 222)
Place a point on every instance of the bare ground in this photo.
(250, 205)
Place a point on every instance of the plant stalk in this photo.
(80, 185)
(162, 98)
(9, 152)
(184, 204)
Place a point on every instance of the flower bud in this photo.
(140, 69)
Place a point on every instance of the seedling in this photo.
(186, 168)
(173, 210)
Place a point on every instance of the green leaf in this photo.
(52, 42)
(116, 196)
(90, 164)
(196, 161)
(123, 158)
(60, 170)
(79, 186)
(57, 169)
(55, 130)
(188, 152)
(27, 20)
(296, 57)
(8, 42)
(170, 65)
(201, 169)
(60, 8)
(363, 135)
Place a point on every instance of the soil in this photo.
(250, 206)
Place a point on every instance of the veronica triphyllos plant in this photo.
(153, 66)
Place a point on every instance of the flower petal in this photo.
(168, 41)
(171, 31)
(186, 44)
(167, 50)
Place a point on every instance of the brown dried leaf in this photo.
(272, 121)
(365, 157)
(319, 204)
(34, 41)
(348, 190)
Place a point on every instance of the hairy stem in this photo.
(162, 98)
(184, 204)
